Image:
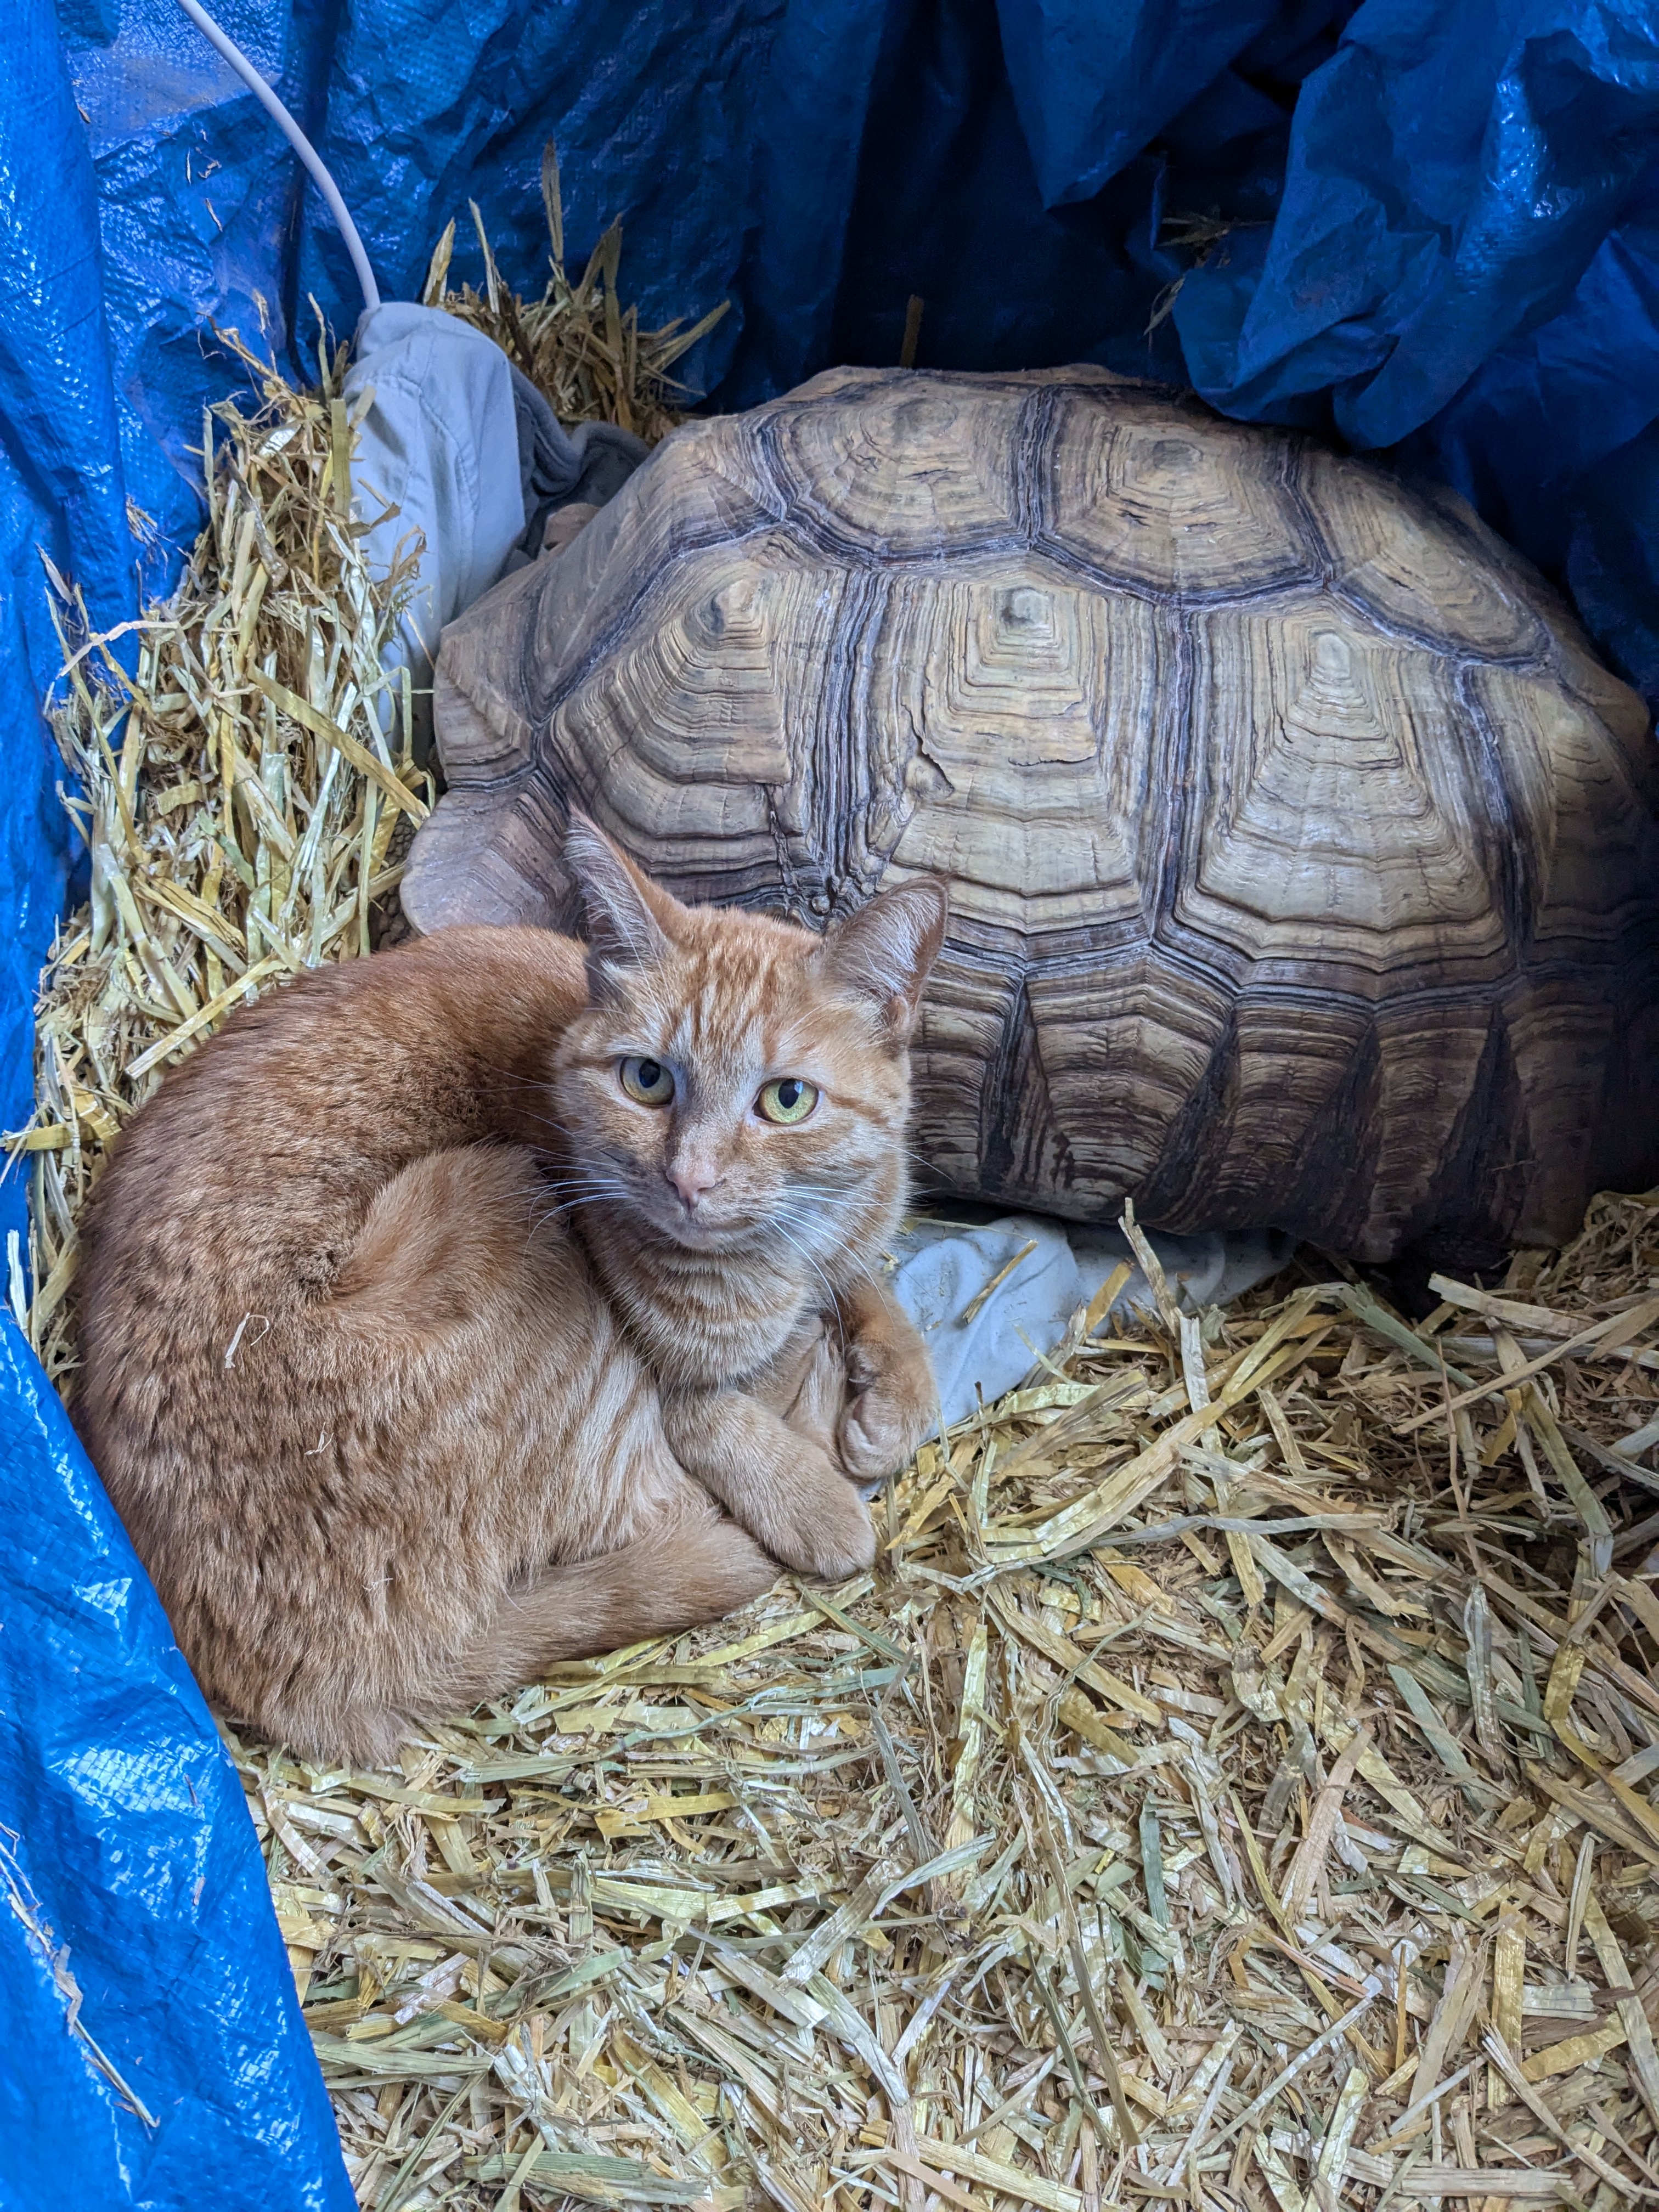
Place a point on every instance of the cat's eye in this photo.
(787, 1101)
(647, 1080)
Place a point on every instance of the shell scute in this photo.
(1340, 830)
(1579, 818)
(1420, 566)
(913, 469)
(1167, 500)
(1006, 725)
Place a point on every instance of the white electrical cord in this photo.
(296, 138)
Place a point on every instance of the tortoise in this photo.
(1303, 861)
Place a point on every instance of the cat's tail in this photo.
(689, 1570)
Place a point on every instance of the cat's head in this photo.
(736, 1082)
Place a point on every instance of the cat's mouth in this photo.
(726, 1226)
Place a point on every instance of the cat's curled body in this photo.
(426, 1341)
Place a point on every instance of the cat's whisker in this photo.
(523, 1082)
(792, 1208)
(546, 1210)
(829, 1290)
(582, 1189)
(584, 1193)
(609, 1185)
(568, 1178)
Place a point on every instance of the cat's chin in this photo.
(708, 1239)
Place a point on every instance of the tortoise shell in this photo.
(1303, 860)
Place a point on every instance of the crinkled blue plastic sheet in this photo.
(153, 2051)
(1428, 228)
(1462, 273)
(154, 2054)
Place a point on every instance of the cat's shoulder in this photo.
(454, 975)
(351, 1029)
(510, 949)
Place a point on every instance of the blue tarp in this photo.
(1428, 228)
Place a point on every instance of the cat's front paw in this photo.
(829, 1534)
(889, 1407)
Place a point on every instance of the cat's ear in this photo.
(630, 923)
(887, 950)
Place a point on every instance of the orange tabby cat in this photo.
(492, 1302)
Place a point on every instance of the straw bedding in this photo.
(1235, 1785)
(584, 349)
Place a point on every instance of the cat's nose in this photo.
(692, 1181)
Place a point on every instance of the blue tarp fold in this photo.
(1426, 228)
(153, 2051)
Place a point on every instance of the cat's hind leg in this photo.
(692, 1567)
